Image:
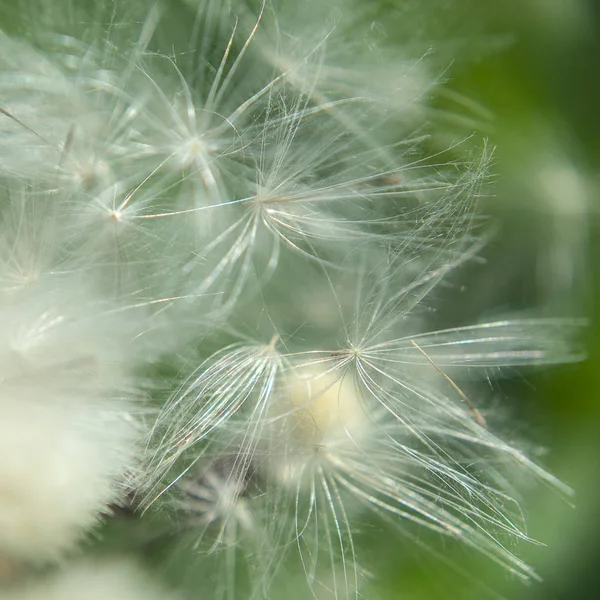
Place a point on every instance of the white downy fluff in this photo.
(272, 178)
(67, 434)
(91, 580)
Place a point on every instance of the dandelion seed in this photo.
(233, 385)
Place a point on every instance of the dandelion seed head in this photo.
(194, 151)
(273, 174)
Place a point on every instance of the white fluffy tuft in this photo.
(94, 580)
(67, 432)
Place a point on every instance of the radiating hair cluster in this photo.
(226, 229)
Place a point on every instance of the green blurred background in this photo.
(527, 75)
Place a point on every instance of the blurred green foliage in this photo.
(538, 88)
